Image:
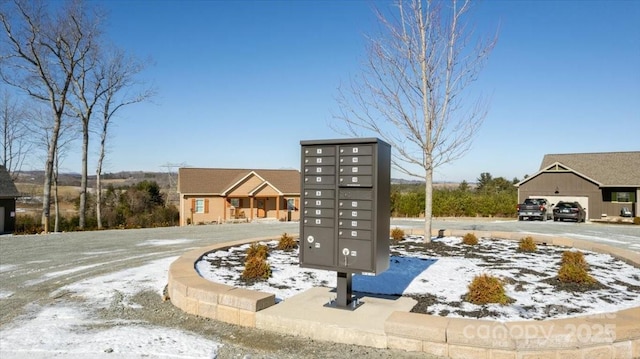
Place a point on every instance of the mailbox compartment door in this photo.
(355, 255)
(317, 247)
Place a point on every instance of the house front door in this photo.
(261, 210)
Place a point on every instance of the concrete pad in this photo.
(305, 315)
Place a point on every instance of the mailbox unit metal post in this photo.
(345, 206)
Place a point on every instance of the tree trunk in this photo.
(51, 155)
(82, 208)
(428, 205)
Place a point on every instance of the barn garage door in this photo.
(584, 201)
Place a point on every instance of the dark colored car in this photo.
(569, 210)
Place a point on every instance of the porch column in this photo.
(278, 207)
(251, 209)
(224, 209)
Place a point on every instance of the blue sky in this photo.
(241, 83)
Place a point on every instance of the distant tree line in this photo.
(142, 205)
(491, 197)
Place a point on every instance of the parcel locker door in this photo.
(317, 247)
(355, 255)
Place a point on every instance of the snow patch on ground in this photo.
(62, 330)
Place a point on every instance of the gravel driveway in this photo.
(34, 269)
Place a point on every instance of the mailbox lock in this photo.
(310, 239)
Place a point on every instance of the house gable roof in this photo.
(218, 181)
(607, 169)
(7, 187)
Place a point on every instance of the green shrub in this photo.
(636, 220)
(470, 239)
(397, 235)
(527, 244)
(256, 268)
(286, 242)
(485, 289)
(257, 250)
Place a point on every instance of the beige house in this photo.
(219, 195)
(604, 183)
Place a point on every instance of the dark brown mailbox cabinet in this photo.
(345, 198)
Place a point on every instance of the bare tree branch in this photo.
(413, 90)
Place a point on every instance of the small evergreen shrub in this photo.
(574, 269)
(577, 258)
(527, 244)
(485, 289)
(286, 242)
(397, 235)
(257, 250)
(256, 268)
(575, 273)
(636, 220)
(470, 239)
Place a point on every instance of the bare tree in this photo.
(41, 58)
(89, 86)
(14, 141)
(119, 73)
(413, 89)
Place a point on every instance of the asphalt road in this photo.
(25, 261)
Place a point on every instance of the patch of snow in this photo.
(65, 331)
(100, 290)
(7, 267)
(5, 294)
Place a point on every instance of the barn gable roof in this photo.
(218, 181)
(606, 169)
(7, 187)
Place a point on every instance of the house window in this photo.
(623, 197)
(235, 202)
(291, 204)
(199, 205)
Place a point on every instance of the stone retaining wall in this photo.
(611, 335)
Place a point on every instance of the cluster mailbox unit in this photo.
(345, 209)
